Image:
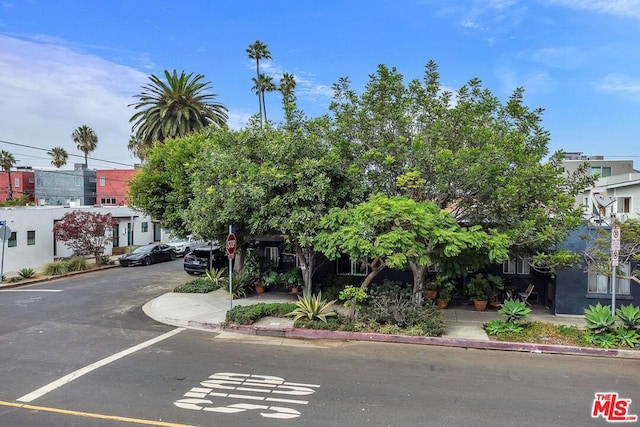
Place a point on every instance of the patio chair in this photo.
(524, 296)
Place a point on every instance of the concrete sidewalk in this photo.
(464, 325)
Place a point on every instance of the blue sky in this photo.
(65, 63)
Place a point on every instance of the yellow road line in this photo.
(92, 415)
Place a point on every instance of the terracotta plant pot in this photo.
(260, 289)
(430, 294)
(442, 303)
(480, 305)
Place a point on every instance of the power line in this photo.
(70, 155)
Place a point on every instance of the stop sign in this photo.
(231, 244)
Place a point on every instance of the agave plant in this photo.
(217, 276)
(599, 319)
(628, 337)
(26, 273)
(630, 316)
(516, 311)
(312, 307)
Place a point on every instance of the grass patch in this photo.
(547, 333)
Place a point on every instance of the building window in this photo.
(102, 181)
(624, 204)
(108, 201)
(31, 237)
(602, 171)
(272, 254)
(38, 181)
(144, 227)
(13, 240)
(434, 268)
(31, 180)
(78, 181)
(520, 266)
(351, 267)
(16, 182)
(600, 284)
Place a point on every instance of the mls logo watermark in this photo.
(612, 408)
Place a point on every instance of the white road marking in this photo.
(82, 371)
(196, 398)
(31, 290)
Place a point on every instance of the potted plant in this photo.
(271, 278)
(497, 286)
(479, 290)
(430, 290)
(293, 280)
(446, 289)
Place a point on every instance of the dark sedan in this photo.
(202, 258)
(148, 254)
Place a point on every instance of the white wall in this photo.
(41, 219)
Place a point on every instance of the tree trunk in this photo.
(419, 273)
(376, 266)
(10, 194)
(305, 258)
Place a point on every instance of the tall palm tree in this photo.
(261, 85)
(173, 109)
(86, 139)
(60, 156)
(287, 85)
(258, 51)
(7, 161)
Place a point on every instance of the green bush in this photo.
(106, 260)
(77, 263)
(55, 268)
(201, 285)
(15, 279)
(248, 314)
(332, 324)
(27, 273)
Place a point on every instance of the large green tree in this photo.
(86, 140)
(484, 161)
(272, 180)
(399, 233)
(7, 161)
(162, 187)
(174, 108)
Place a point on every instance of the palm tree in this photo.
(60, 156)
(287, 85)
(261, 85)
(174, 109)
(7, 161)
(258, 51)
(86, 139)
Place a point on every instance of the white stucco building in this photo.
(30, 242)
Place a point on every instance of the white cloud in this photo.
(619, 83)
(49, 89)
(628, 8)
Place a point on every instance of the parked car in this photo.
(148, 254)
(183, 246)
(201, 258)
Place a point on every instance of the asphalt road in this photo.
(52, 335)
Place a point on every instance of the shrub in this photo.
(201, 285)
(217, 276)
(352, 296)
(247, 315)
(106, 260)
(628, 337)
(27, 273)
(15, 279)
(401, 310)
(55, 268)
(77, 263)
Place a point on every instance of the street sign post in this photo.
(615, 248)
(231, 249)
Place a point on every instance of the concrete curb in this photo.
(27, 282)
(297, 333)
